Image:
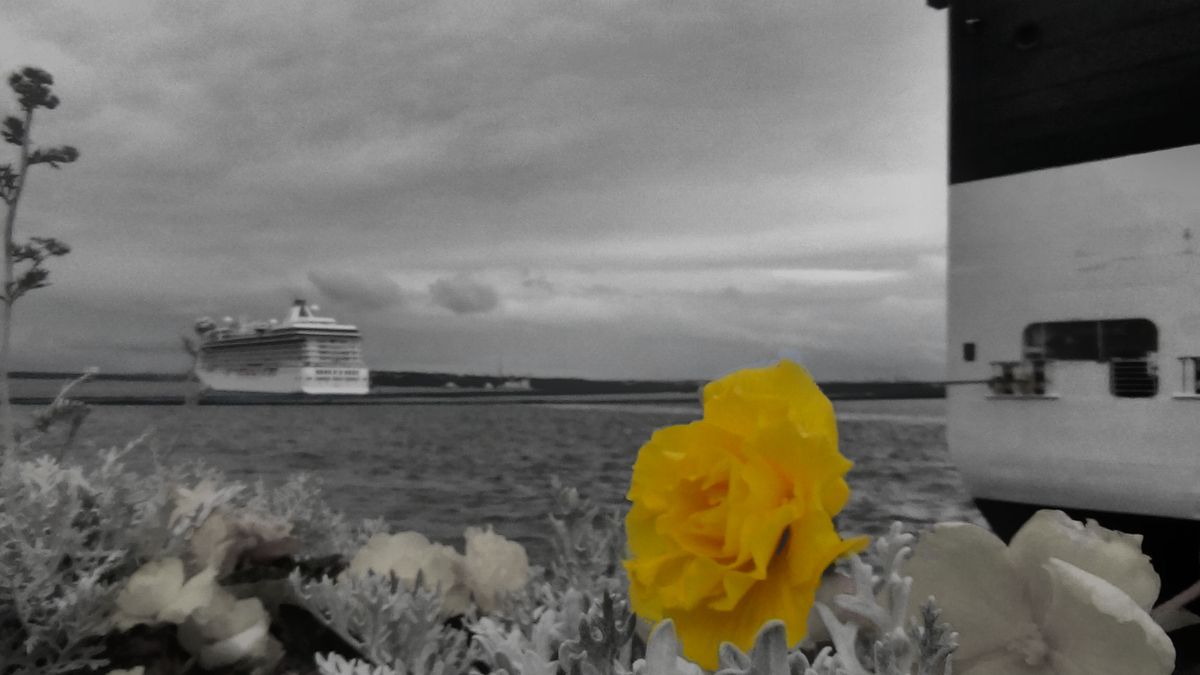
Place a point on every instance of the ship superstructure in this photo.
(1074, 265)
(304, 353)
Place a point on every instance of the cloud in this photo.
(462, 294)
(638, 158)
(364, 290)
(537, 283)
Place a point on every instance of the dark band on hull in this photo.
(1037, 84)
(1173, 544)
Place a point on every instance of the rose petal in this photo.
(699, 580)
(196, 593)
(151, 588)
(1113, 556)
(834, 494)
(965, 568)
(741, 401)
(249, 642)
(699, 450)
(702, 629)
(734, 587)
(206, 623)
(244, 614)
(814, 545)
(1094, 628)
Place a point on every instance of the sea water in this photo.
(438, 469)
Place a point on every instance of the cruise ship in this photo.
(303, 354)
(1074, 265)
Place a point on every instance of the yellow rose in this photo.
(731, 523)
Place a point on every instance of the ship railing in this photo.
(1021, 379)
(1189, 385)
(1133, 378)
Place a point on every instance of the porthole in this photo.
(1027, 36)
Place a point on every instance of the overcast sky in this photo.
(616, 188)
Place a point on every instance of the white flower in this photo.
(408, 553)
(1063, 598)
(156, 593)
(228, 631)
(495, 566)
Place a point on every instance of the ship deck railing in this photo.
(1189, 377)
(1124, 378)
(1021, 379)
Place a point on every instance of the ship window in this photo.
(1091, 340)
(1027, 36)
(968, 351)
(1128, 347)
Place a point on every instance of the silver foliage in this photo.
(664, 654)
(388, 623)
(529, 638)
(62, 411)
(320, 529)
(73, 531)
(589, 544)
(336, 664)
(510, 651)
(605, 640)
(67, 536)
(875, 637)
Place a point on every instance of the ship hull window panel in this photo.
(1128, 346)
(1133, 378)
(1102, 340)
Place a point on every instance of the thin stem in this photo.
(6, 413)
(1178, 602)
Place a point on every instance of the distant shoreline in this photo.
(394, 388)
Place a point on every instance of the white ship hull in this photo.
(1074, 255)
(288, 380)
(1075, 243)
